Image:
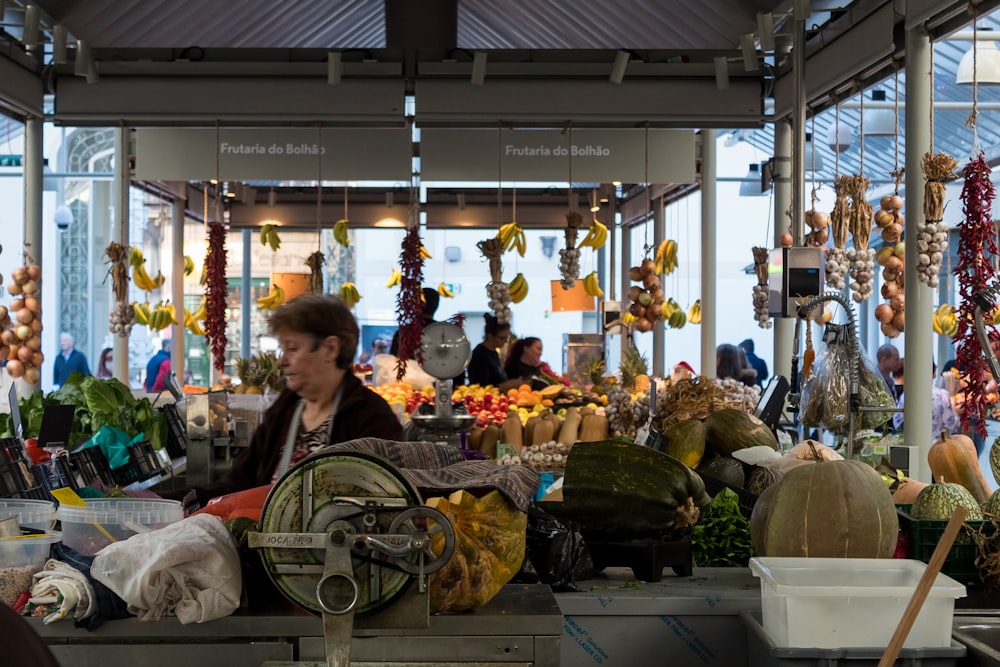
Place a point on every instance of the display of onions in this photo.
(647, 298)
(21, 339)
(891, 257)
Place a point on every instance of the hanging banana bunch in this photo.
(518, 288)
(192, 321)
(673, 314)
(512, 237)
(597, 235)
(694, 313)
(269, 236)
(945, 320)
(444, 291)
(340, 232)
(161, 316)
(188, 265)
(394, 278)
(349, 293)
(665, 260)
(425, 254)
(592, 285)
(274, 298)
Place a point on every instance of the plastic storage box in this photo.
(105, 520)
(37, 514)
(850, 602)
(19, 559)
(761, 652)
(921, 537)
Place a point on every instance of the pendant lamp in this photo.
(813, 161)
(987, 63)
(880, 122)
(751, 185)
(839, 137)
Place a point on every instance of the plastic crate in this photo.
(90, 465)
(17, 481)
(921, 537)
(177, 439)
(145, 456)
(746, 499)
(762, 652)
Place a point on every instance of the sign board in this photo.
(10, 160)
(632, 155)
(263, 154)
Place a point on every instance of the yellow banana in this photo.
(666, 257)
(394, 278)
(350, 295)
(444, 291)
(512, 237)
(424, 253)
(597, 235)
(196, 328)
(188, 265)
(628, 318)
(141, 313)
(340, 234)
(275, 297)
(694, 312)
(200, 313)
(135, 257)
(518, 288)
(142, 279)
(592, 285)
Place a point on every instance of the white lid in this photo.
(120, 511)
(854, 577)
(28, 511)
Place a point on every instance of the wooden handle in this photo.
(924, 586)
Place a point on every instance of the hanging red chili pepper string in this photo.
(410, 300)
(216, 293)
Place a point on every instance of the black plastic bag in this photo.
(555, 554)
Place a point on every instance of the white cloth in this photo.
(190, 568)
(57, 578)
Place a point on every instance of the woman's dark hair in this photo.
(494, 326)
(729, 364)
(102, 364)
(319, 315)
(517, 349)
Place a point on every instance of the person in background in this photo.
(943, 415)
(431, 301)
(886, 359)
(162, 376)
(323, 403)
(758, 364)
(153, 367)
(524, 363)
(68, 361)
(485, 368)
(104, 368)
(729, 363)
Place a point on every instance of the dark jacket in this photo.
(63, 368)
(760, 366)
(531, 375)
(484, 368)
(362, 413)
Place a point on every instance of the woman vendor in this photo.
(524, 364)
(323, 402)
(484, 367)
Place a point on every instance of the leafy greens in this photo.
(721, 538)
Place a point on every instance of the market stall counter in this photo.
(520, 626)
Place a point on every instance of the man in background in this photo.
(756, 362)
(887, 359)
(153, 367)
(67, 361)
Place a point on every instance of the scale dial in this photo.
(446, 350)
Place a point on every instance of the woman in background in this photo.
(484, 367)
(104, 369)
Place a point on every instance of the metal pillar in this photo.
(177, 288)
(120, 189)
(659, 232)
(246, 293)
(709, 302)
(625, 258)
(784, 327)
(919, 297)
(34, 168)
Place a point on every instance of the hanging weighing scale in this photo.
(445, 349)
(343, 533)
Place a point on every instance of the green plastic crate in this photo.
(922, 536)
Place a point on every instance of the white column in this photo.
(709, 302)
(120, 187)
(784, 327)
(177, 288)
(34, 167)
(659, 232)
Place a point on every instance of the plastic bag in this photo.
(556, 554)
(384, 372)
(825, 397)
(114, 444)
(248, 504)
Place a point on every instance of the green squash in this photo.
(992, 506)
(685, 441)
(938, 501)
(995, 459)
(728, 430)
(617, 490)
(834, 509)
(725, 469)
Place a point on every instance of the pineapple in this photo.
(635, 370)
(243, 369)
(595, 371)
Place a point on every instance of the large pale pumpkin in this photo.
(489, 549)
(953, 458)
(833, 509)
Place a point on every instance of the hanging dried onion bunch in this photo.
(569, 257)
(837, 266)
(761, 294)
(123, 315)
(497, 290)
(315, 263)
(860, 256)
(932, 234)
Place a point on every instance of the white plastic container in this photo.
(20, 558)
(37, 514)
(105, 520)
(850, 602)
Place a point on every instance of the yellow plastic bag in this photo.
(489, 549)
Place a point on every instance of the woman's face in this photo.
(306, 361)
(498, 340)
(532, 354)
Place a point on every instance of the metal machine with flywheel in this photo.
(445, 350)
(343, 534)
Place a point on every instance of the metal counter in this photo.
(522, 625)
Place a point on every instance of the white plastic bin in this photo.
(37, 514)
(20, 559)
(105, 520)
(850, 602)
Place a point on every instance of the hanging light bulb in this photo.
(751, 185)
(594, 206)
(987, 63)
(880, 122)
(839, 137)
(813, 160)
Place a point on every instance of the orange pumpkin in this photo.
(907, 491)
(953, 458)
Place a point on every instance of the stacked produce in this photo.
(891, 258)
(23, 340)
